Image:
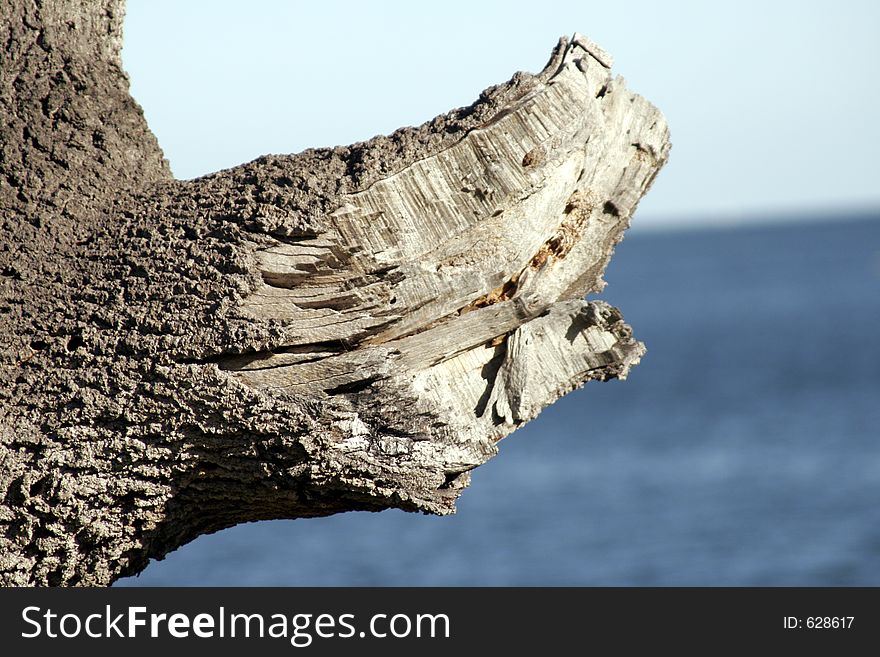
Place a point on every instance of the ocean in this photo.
(744, 450)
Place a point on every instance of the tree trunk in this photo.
(344, 329)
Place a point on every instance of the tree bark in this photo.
(344, 329)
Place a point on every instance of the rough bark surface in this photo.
(342, 329)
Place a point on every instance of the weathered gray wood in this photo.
(342, 329)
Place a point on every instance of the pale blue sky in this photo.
(774, 107)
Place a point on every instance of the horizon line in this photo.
(756, 218)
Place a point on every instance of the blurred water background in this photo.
(743, 450)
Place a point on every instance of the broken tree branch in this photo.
(342, 329)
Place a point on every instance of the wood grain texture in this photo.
(343, 329)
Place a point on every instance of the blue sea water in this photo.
(743, 450)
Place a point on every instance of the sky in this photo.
(773, 106)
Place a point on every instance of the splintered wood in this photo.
(461, 278)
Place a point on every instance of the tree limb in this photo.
(342, 329)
